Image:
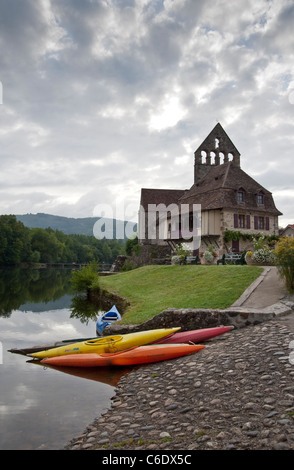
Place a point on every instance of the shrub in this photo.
(264, 256)
(261, 254)
(83, 279)
(180, 254)
(284, 255)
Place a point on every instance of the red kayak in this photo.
(133, 356)
(195, 336)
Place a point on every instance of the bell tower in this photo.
(216, 149)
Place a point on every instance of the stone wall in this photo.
(119, 263)
(149, 254)
(193, 319)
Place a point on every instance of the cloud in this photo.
(101, 98)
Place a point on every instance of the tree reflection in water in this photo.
(21, 288)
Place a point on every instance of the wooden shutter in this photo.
(235, 220)
(248, 221)
(267, 223)
(256, 222)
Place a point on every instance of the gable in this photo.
(218, 141)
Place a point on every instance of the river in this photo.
(42, 408)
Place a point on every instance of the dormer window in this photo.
(240, 195)
(260, 199)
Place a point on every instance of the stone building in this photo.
(232, 203)
(288, 231)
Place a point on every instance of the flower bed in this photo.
(261, 255)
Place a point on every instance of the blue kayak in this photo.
(106, 319)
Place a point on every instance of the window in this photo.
(260, 199)
(191, 222)
(242, 221)
(240, 195)
(261, 223)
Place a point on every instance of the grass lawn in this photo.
(151, 289)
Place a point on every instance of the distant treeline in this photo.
(20, 244)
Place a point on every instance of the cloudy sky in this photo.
(100, 98)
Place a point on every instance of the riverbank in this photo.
(237, 393)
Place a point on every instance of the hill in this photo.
(69, 225)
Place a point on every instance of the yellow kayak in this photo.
(108, 344)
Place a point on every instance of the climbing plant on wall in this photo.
(237, 235)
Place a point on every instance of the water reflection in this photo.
(106, 375)
(40, 290)
(19, 286)
(83, 309)
(25, 287)
(46, 407)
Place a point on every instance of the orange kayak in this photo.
(133, 356)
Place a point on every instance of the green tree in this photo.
(106, 253)
(22, 244)
(132, 246)
(15, 244)
(46, 243)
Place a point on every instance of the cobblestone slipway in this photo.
(237, 393)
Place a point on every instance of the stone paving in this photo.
(237, 393)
